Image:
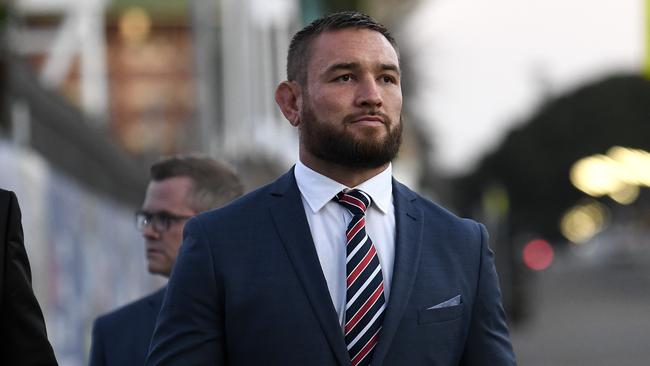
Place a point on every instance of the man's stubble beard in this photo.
(341, 147)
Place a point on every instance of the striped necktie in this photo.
(365, 302)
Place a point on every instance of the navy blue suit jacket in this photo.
(122, 336)
(248, 289)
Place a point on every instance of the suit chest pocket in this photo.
(429, 316)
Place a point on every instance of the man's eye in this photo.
(388, 79)
(344, 78)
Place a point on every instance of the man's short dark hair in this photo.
(213, 183)
(299, 49)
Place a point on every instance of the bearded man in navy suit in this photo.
(335, 263)
(180, 187)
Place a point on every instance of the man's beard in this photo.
(339, 146)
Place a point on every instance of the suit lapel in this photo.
(154, 302)
(144, 323)
(156, 299)
(408, 240)
(292, 226)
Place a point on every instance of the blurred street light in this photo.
(581, 222)
(618, 174)
(538, 254)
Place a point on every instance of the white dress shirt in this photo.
(328, 221)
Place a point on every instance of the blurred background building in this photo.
(531, 117)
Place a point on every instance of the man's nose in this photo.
(369, 93)
(149, 233)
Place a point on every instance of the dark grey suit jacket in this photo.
(23, 339)
(122, 336)
(248, 289)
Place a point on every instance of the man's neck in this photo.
(350, 177)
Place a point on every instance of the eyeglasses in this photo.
(159, 221)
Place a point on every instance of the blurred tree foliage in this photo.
(534, 160)
(341, 5)
(161, 11)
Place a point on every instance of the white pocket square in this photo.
(447, 303)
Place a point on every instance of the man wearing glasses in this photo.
(180, 187)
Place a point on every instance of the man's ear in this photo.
(289, 99)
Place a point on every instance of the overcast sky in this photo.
(485, 65)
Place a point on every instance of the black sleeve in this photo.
(23, 336)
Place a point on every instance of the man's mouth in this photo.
(368, 120)
(153, 251)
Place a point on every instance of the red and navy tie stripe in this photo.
(365, 301)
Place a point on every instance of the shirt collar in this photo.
(318, 189)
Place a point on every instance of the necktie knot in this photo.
(355, 200)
